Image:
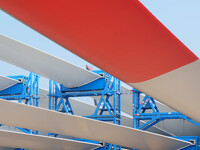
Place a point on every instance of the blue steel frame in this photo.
(26, 90)
(140, 107)
(106, 87)
(56, 100)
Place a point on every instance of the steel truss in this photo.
(140, 106)
(107, 109)
(25, 91)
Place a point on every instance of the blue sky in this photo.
(181, 17)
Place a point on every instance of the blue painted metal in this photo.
(57, 101)
(13, 90)
(139, 109)
(148, 103)
(92, 86)
(101, 148)
(27, 90)
(99, 85)
(106, 87)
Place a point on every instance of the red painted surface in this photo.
(119, 36)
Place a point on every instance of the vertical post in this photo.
(37, 90)
(50, 97)
(119, 100)
(134, 109)
(136, 101)
(31, 88)
(118, 91)
(116, 107)
(55, 91)
(31, 94)
(114, 101)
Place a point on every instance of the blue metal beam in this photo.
(27, 90)
(139, 109)
(105, 87)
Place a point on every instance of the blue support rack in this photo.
(106, 87)
(147, 103)
(27, 91)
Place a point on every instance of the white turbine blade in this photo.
(175, 126)
(170, 126)
(178, 89)
(30, 141)
(81, 108)
(51, 67)
(6, 82)
(24, 116)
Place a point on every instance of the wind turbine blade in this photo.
(25, 116)
(82, 108)
(124, 39)
(51, 67)
(6, 82)
(30, 141)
